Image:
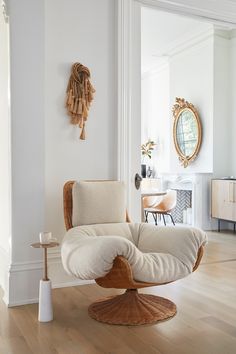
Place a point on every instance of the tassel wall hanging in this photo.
(79, 96)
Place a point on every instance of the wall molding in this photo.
(25, 266)
(24, 279)
(124, 89)
(4, 273)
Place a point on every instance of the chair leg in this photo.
(172, 219)
(146, 215)
(155, 218)
(164, 219)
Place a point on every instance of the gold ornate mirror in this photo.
(187, 131)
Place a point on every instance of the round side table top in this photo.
(44, 245)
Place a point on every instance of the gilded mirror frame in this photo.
(179, 107)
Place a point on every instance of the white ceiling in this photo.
(161, 32)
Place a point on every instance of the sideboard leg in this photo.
(218, 225)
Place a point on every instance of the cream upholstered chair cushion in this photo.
(98, 202)
(155, 254)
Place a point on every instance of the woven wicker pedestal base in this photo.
(132, 308)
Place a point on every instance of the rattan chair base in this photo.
(132, 308)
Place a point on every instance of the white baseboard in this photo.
(24, 279)
(4, 269)
(22, 302)
(72, 283)
(24, 283)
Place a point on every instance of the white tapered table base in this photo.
(45, 301)
(45, 286)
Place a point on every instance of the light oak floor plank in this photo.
(205, 322)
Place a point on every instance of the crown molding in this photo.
(223, 12)
(4, 270)
(156, 70)
(184, 43)
(187, 41)
(4, 5)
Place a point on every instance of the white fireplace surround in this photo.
(199, 184)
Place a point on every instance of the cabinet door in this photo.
(223, 199)
(233, 200)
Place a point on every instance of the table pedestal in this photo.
(45, 301)
(45, 286)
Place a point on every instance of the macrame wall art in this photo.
(79, 96)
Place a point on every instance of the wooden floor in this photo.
(205, 322)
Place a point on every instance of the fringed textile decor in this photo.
(79, 96)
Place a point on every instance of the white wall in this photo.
(233, 101)
(202, 75)
(27, 118)
(223, 102)
(5, 175)
(146, 107)
(46, 150)
(156, 113)
(191, 77)
(86, 36)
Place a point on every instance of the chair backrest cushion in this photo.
(98, 202)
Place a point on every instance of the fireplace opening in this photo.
(183, 211)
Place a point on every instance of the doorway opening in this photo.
(192, 59)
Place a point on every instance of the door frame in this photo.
(129, 76)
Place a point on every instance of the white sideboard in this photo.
(223, 200)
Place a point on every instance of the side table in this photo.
(45, 313)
